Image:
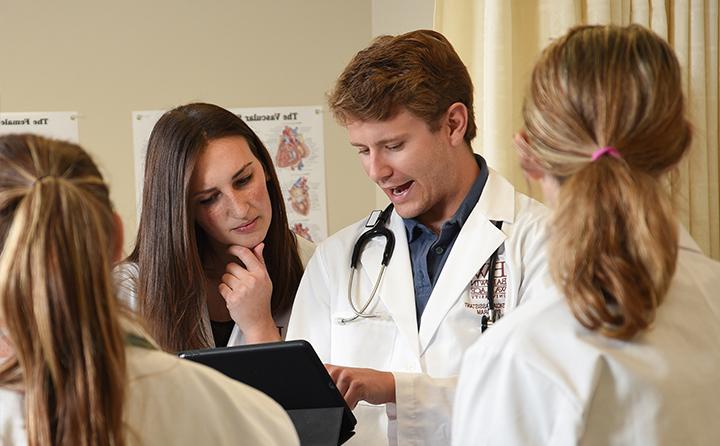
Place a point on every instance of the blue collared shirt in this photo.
(428, 252)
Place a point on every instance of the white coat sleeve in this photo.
(423, 408)
(12, 418)
(310, 316)
(503, 400)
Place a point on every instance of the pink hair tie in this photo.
(607, 150)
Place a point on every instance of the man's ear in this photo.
(457, 121)
(119, 238)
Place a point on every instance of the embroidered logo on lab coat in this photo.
(477, 301)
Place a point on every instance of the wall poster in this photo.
(58, 125)
(294, 138)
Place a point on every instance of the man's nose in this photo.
(377, 168)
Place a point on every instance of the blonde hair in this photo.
(613, 238)
(57, 302)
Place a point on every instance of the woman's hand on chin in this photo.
(247, 290)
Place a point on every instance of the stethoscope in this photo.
(379, 229)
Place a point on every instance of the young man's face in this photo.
(414, 166)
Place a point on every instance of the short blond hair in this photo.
(418, 71)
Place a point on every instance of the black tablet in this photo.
(292, 374)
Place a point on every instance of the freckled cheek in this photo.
(208, 219)
(256, 196)
(260, 198)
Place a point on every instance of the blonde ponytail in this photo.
(613, 239)
(613, 247)
(57, 301)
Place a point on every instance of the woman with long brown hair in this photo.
(79, 370)
(215, 262)
(624, 347)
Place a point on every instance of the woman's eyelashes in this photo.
(210, 199)
(238, 183)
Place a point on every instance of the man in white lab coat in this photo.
(407, 103)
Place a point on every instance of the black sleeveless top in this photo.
(221, 332)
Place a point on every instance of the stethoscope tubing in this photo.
(361, 312)
(380, 230)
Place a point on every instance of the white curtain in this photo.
(500, 40)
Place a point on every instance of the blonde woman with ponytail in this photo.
(77, 370)
(624, 346)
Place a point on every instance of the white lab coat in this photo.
(540, 378)
(425, 362)
(126, 276)
(177, 402)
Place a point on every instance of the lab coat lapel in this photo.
(397, 291)
(477, 240)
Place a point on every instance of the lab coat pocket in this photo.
(364, 342)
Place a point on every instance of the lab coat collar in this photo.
(685, 240)
(132, 326)
(477, 240)
(497, 202)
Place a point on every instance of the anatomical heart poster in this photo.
(294, 138)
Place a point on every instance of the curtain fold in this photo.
(499, 40)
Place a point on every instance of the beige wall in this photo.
(106, 59)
